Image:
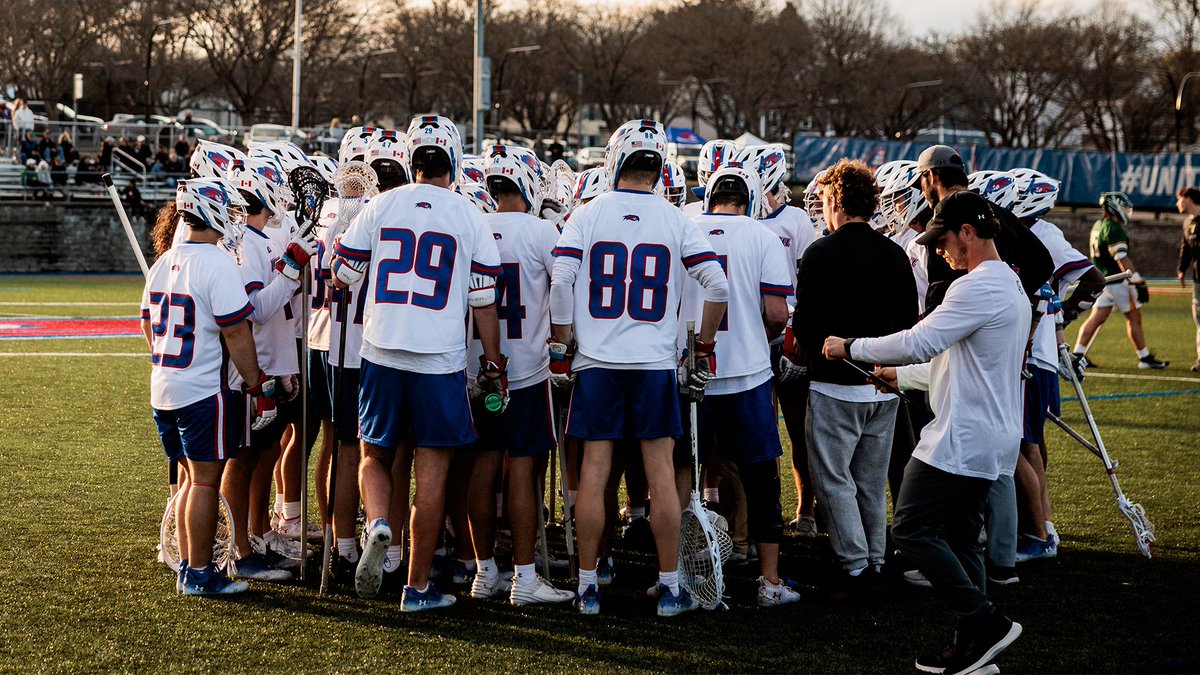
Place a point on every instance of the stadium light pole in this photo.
(296, 68)
(149, 56)
(1179, 106)
(524, 49)
(481, 89)
(921, 85)
(362, 74)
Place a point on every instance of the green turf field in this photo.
(82, 484)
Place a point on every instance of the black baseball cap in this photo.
(952, 212)
(938, 157)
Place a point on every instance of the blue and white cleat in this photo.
(209, 581)
(589, 602)
(670, 604)
(179, 577)
(605, 571)
(416, 601)
(368, 576)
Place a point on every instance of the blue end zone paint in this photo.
(1149, 394)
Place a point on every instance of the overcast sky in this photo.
(952, 16)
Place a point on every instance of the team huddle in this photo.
(460, 317)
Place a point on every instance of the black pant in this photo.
(938, 519)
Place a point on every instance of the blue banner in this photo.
(1150, 180)
(684, 136)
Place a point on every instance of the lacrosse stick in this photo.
(223, 541)
(1143, 529)
(568, 519)
(699, 550)
(133, 242)
(541, 527)
(355, 183)
(553, 493)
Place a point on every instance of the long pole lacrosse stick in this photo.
(700, 556)
(553, 494)
(354, 182)
(1143, 529)
(568, 519)
(133, 242)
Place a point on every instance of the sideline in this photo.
(35, 354)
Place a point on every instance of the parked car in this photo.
(589, 158)
(274, 132)
(203, 127)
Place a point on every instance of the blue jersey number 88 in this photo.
(633, 282)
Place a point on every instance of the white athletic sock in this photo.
(392, 562)
(279, 502)
(636, 512)
(487, 569)
(670, 580)
(858, 572)
(712, 495)
(1080, 348)
(348, 550)
(587, 578)
(1143, 352)
(291, 510)
(526, 574)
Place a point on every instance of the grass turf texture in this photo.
(83, 484)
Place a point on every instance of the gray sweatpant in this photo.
(1002, 530)
(849, 447)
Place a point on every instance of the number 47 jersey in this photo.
(423, 242)
(633, 250)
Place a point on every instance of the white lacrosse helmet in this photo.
(435, 131)
(354, 144)
(216, 203)
(733, 177)
(673, 185)
(713, 156)
(564, 182)
(519, 166)
(545, 177)
(633, 137)
(389, 145)
(472, 170)
(998, 187)
(589, 185)
(812, 198)
(261, 179)
(478, 194)
(212, 160)
(887, 173)
(1037, 193)
(290, 155)
(326, 166)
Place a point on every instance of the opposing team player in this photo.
(616, 288)
(194, 312)
(737, 414)
(432, 259)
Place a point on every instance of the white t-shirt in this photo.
(271, 294)
(623, 256)
(755, 265)
(526, 245)
(795, 231)
(423, 243)
(976, 340)
(1069, 265)
(192, 291)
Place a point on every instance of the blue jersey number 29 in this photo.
(431, 257)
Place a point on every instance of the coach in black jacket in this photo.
(854, 282)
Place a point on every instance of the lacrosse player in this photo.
(1187, 201)
(713, 155)
(976, 340)
(194, 312)
(747, 433)
(432, 259)
(525, 430)
(616, 287)
(1109, 245)
(853, 282)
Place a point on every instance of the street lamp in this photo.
(1179, 105)
(149, 55)
(362, 75)
(107, 81)
(921, 85)
(524, 49)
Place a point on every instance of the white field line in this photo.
(68, 304)
(71, 354)
(1157, 378)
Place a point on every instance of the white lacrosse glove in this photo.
(482, 290)
(300, 250)
(551, 210)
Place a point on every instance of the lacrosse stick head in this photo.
(1143, 529)
(355, 182)
(223, 545)
(309, 190)
(721, 532)
(700, 556)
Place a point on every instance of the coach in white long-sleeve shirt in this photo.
(976, 342)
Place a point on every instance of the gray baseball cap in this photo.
(938, 157)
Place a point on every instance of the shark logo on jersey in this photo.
(631, 217)
(424, 205)
(716, 232)
(497, 236)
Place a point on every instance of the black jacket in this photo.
(1017, 246)
(853, 283)
(1189, 248)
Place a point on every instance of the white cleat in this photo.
(539, 592)
(290, 529)
(483, 588)
(771, 595)
(368, 576)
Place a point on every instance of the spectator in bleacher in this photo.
(70, 153)
(106, 151)
(22, 116)
(5, 121)
(142, 151)
(29, 145)
(29, 178)
(47, 148)
(88, 171)
(132, 196)
(58, 170)
(160, 155)
(43, 169)
(174, 168)
(181, 146)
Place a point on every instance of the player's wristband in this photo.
(846, 345)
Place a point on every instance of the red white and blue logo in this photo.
(1042, 188)
(219, 159)
(270, 174)
(474, 173)
(532, 163)
(631, 217)
(424, 205)
(997, 184)
(214, 194)
(716, 232)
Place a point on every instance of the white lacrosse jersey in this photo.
(423, 243)
(1069, 265)
(526, 245)
(693, 209)
(343, 302)
(274, 336)
(635, 250)
(318, 288)
(755, 265)
(795, 231)
(192, 292)
(280, 238)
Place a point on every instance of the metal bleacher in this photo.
(124, 168)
